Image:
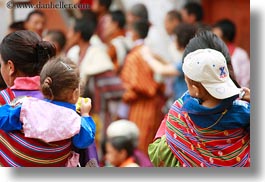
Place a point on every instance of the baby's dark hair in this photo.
(122, 143)
(27, 51)
(58, 77)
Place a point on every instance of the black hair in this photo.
(119, 17)
(105, 3)
(18, 25)
(122, 143)
(2, 82)
(86, 26)
(27, 51)
(195, 9)
(139, 10)
(228, 29)
(35, 12)
(174, 14)
(207, 39)
(57, 36)
(184, 32)
(141, 27)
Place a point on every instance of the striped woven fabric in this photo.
(6, 96)
(198, 147)
(18, 151)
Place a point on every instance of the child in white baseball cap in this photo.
(209, 126)
(208, 67)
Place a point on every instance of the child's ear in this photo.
(196, 90)
(75, 95)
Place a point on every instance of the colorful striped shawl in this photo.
(198, 147)
(18, 151)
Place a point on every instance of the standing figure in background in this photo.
(172, 20)
(101, 8)
(94, 64)
(135, 13)
(35, 22)
(192, 13)
(183, 32)
(115, 37)
(143, 93)
(226, 30)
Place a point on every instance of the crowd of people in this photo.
(99, 96)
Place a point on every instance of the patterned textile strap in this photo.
(18, 151)
(6, 96)
(198, 147)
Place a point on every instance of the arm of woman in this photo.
(158, 65)
(9, 118)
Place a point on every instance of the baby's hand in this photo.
(85, 106)
(245, 94)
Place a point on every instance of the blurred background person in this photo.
(142, 92)
(192, 13)
(101, 8)
(15, 26)
(35, 22)
(183, 32)
(95, 66)
(135, 13)
(58, 38)
(118, 132)
(114, 35)
(172, 20)
(226, 30)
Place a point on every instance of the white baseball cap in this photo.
(209, 67)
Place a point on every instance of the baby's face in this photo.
(113, 156)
